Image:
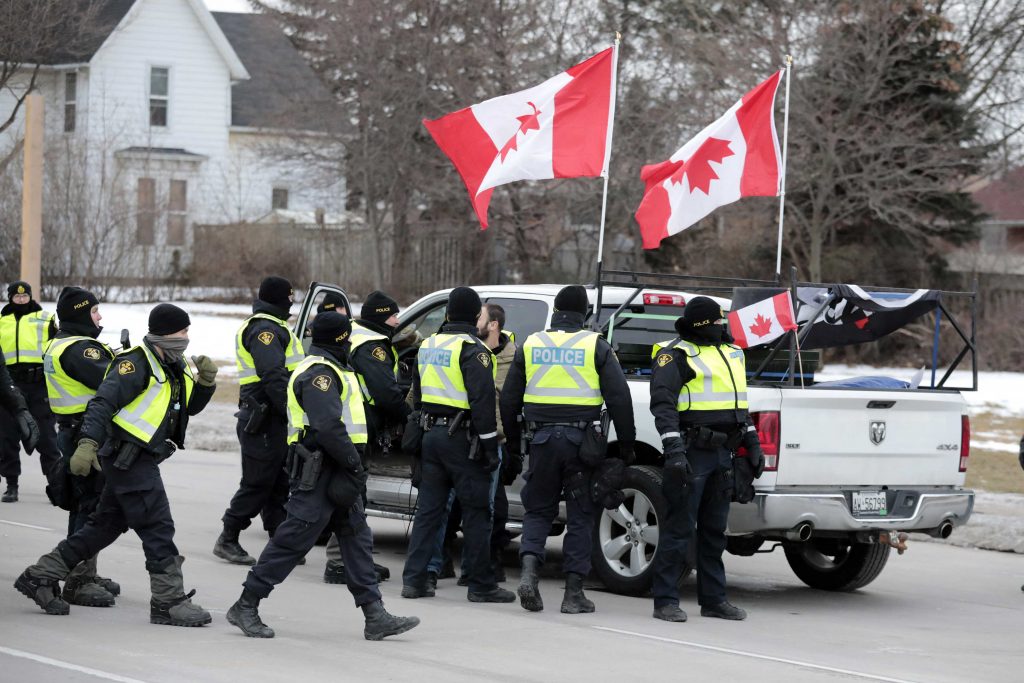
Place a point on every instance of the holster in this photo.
(412, 438)
(705, 437)
(594, 448)
(525, 436)
(304, 466)
(258, 413)
(475, 447)
(742, 480)
(127, 453)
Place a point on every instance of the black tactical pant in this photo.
(555, 468)
(698, 511)
(132, 499)
(10, 445)
(263, 489)
(446, 466)
(309, 513)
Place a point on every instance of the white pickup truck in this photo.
(847, 468)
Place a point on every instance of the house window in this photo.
(1015, 238)
(145, 212)
(70, 98)
(159, 81)
(176, 213)
(279, 198)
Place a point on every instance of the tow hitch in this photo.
(893, 539)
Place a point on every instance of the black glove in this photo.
(28, 428)
(673, 446)
(754, 452)
(627, 453)
(490, 453)
(511, 468)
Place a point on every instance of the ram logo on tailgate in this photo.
(877, 432)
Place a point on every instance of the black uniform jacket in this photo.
(479, 378)
(321, 401)
(613, 388)
(10, 397)
(667, 380)
(374, 361)
(269, 359)
(122, 384)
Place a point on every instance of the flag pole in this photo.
(605, 174)
(782, 175)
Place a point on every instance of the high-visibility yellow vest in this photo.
(561, 368)
(24, 339)
(67, 395)
(721, 376)
(361, 335)
(143, 416)
(353, 414)
(293, 353)
(441, 380)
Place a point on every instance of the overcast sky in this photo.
(228, 5)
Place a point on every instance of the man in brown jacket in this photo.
(491, 331)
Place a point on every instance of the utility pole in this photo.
(32, 193)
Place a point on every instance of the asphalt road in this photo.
(938, 613)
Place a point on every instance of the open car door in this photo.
(314, 295)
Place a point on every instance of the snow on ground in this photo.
(996, 524)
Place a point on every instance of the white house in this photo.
(173, 116)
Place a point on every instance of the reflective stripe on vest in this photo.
(67, 395)
(441, 380)
(353, 414)
(293, 353)
(143, 416)
(561, 368)
(721, 376)
(24, 339)
(361, 335)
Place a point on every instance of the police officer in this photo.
(327, 426)
(454, 389)
(75, 363)
(139, 415)
(14, 403)
(559, 380)
(266, 352)
(376, 365)
(25, 329)
(699, 402)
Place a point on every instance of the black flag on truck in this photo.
(856, 316)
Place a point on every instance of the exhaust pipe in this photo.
(944, 530)
(801, 532)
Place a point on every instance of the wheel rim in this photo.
(825, 561)
(629, 535)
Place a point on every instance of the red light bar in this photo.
(652, 299)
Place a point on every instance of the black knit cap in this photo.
(378, 307)
(572, 299)
(18, 287)
(331, 329)
(276, 291)
(74, 305)
(699, 312)
(463, 305)
(167, 319)
(331, 302)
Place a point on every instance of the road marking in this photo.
(67, 665)
(753, 655)
(27, 526)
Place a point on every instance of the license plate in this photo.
(869, 503)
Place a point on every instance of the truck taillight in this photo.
(652, 299)
(965, 441)
(768, 425)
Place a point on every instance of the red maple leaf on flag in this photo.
(527, 122)
(698, 167)
(762, 326)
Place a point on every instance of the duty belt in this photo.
(705, 437)
(534, 426)
(430, 421)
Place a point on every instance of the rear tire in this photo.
(623, 551)
(836, 565)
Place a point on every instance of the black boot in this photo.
(170, 604)
(111, 586)
(380, 624)
(575, 602)
(383, 573)
(529, 592)
(41, 582)
(11, 494)
(245, 615)
(334, 572)
(670, 613)
(723, 610)
(82, 588)
(228, 548)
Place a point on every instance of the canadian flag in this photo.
(762, 322)
(736, 156)
(558, 129)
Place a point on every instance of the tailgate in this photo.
(837, 437)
